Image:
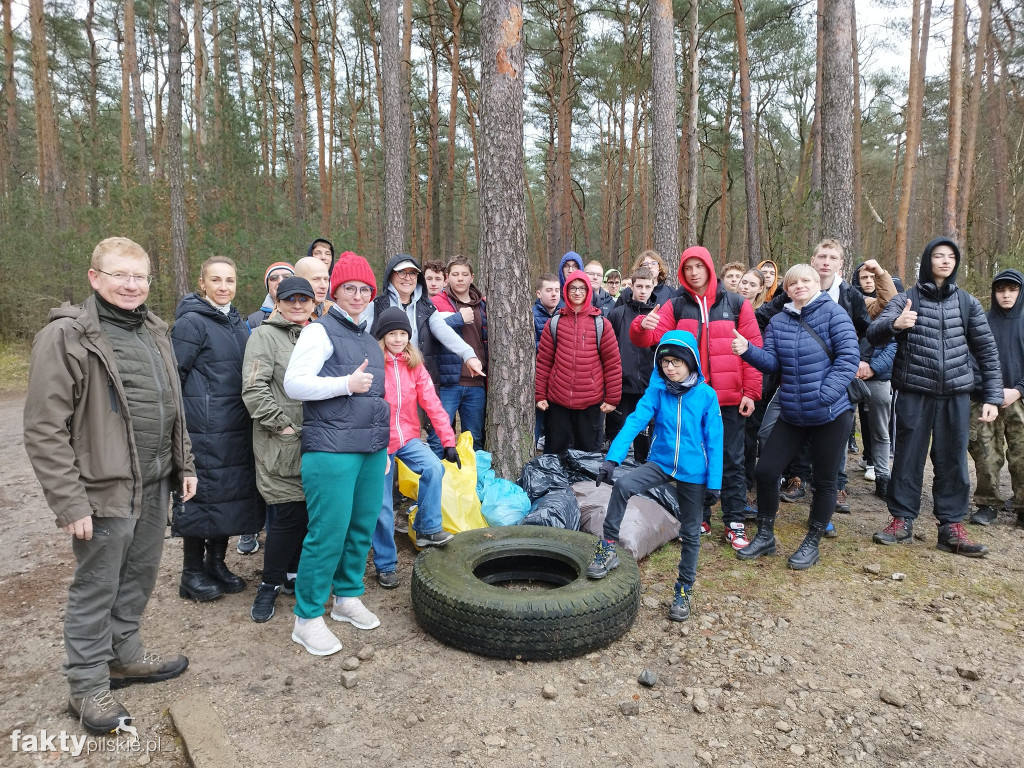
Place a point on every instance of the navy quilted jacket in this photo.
(813, 388)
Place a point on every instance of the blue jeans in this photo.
(469, 403)
(417, 457)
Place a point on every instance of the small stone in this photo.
(494, 740)
(700, 705)
(650, 602)
(145, 760)
(647, 678)
(630, 707)
(705, 757)
(350, 663)
(917, 725)
(854, 693)
(366, 653)
(893, 697)
(410, 721)
(349, 679)
(783, 726)
(1003, 625)
(549, 692)
(978, 760)
(874, 569)
(781, 623)
(968, 673)
(960, 700)
(288, 680)
(898, 576)
(798, 750)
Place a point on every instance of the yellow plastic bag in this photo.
(460, 507)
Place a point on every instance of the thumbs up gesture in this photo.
(739, 344)
(359, 380)
(651, 321)
(907, 318)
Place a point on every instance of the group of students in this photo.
(294, 416)
(732, 384)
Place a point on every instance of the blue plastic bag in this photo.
(501, 502)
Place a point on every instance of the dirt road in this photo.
(829, 667)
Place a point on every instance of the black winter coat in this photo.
(637, 362)
(934, 356)
(209, 347)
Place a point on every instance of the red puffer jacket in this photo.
(573, 372)
(711, 318)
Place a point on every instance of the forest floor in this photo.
(838, 665)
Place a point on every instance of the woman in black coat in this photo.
(209, 337)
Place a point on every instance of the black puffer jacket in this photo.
(637, 362)
(209, 347)
(934, 356)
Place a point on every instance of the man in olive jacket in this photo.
(106, 436)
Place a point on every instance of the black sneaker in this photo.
(898, 530)
(438, 539)
(387, 579)
(985, 515)
(248, 544)
(680, 610)
(263, 604)
(288, 587)
(604, 560)
(852, 446)
(843, 502)
(953, 538)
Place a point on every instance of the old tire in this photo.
(455, 598)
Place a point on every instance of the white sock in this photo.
(291, 575)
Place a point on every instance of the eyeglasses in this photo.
(297, 298)
(671, 362)
(577, 289)
(352, 290)
(407, 273)
(649, 263)
(123, 278)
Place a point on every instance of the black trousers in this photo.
(734, 484)
(285, 535)
(615, 420)
(944, 423)
(827, 448)
(566, 428)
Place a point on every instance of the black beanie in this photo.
(393, 319)
(678, 351)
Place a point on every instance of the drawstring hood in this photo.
(706, 298)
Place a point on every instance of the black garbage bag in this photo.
(557, 508)
(543, 474)
(588, 465)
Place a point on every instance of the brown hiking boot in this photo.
(793, 490)
(149, 669)
(100, 713)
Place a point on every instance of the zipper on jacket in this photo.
(398, 409)
(112, 391)
(679, 427)
(942, 341)
(160, 398)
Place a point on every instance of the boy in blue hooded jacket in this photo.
(686, 446)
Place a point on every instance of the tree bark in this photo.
(692, 118)
(175, 170)
(52, 180)
(973, 110)
(750, 186)
(126, 108)
(723, 210)
(855, 241)
(919, 25)
(299, 119)
(1000, 152)
(956, 100)
(837, 123)
(666, 160)
(503, 237)
(199, 89)
(94, 66)
(13, 157)
(433, 145)
(322, 155)
(566, 35)
(132, 63)
(814, 218)
(391, 125)
(453, 103)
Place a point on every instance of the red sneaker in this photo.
(736, 535)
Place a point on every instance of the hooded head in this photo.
(569, 256)
(402, 262)
(926, 276)
(773, 284)
(329, 244)
(855, 282)
(574, 281)
(682, 345)
(1008, 277)
(700, 253)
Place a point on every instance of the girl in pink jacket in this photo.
(408, 387)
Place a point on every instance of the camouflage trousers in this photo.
(992, 444)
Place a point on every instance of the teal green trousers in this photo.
(344, 493)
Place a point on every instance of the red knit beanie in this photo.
(351, 266)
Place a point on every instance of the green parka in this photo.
(278, 456)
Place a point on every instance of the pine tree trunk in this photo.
(13, 157)
(692, 121)
(158, 107)
(126, 108)
(973, 111)
(855, 242)
(953, 137)
(175, 169)
(394, 149)
(453, 102)
(920, 23)
(503, 237)
(433, 146)
(723, 215)
(199, 89)
(1000, 152)
(565, 33)
(814, 217)
(94, 66)
(354, 107)
(322, 155)
(132, 64)
(299, 119)
(749, 151)
(837, 123)
(51, 166)
(665, 170)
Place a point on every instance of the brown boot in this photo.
(793, 491)
(100, 713)
(149, 669)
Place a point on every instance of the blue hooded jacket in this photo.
(687, 438)
(569, 256)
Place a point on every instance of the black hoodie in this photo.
(637, 362)
(329, 244)
(1008, 329)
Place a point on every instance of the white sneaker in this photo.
(869, 474)
(352, 610)
(315, 637)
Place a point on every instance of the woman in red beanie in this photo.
(337, 371)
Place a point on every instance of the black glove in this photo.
(452, 455)
(604, 474)
(711, 498)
